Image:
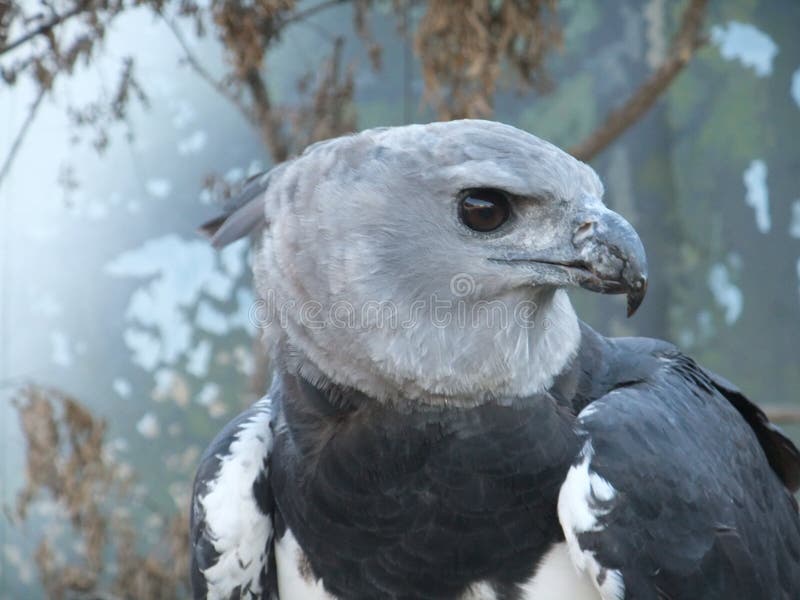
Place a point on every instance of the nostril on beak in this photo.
(584, 231)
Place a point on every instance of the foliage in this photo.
(461, 50)
(70, 464)
(462, 47)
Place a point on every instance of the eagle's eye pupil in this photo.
(484, 209)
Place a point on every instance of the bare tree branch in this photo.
(68, 464)
(685, 43)
(23, 131)
(782, 414)
(198, 68)
(265, 116)
(45, 27)
(301, 15)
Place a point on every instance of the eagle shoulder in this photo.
(673, 493)
(231, 517)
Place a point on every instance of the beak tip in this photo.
(636, 296)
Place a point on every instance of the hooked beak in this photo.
(603, 255)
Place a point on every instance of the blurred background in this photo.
(126, 341)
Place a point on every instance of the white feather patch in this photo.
(238, 527)
(578, 513)
(557, 579)
(481, 590)
(295, 581)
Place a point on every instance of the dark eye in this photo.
(484, 209)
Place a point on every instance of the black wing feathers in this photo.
(783, 455)
(696, 505)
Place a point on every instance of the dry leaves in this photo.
(463, 47)
(67, 463)
(247, 29)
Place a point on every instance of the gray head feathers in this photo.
(363, 242)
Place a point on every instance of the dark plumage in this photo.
(469, 462)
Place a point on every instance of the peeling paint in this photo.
(148, 426)
(210, 319)
(199, 358)
(179, 272)
(755, 181)
(62, 354)
(654, 13)
(726, 294)
(183, 113)
(209, 394)
(158, 188)
(747, 44)
(795, 89)
(193, 144)
(122, 387)
(798, 276)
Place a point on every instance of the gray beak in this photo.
(612, 256)
(603, 255)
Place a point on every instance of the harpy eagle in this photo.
(440, 423)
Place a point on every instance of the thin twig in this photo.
(23, 131)
(782, 414)
(301, 15)
(685, 43)
(198, 68)
(261, 114)
(319, 30)
(265, 116)
(45, 27)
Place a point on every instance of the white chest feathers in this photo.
(555, 579)
(295, 579)
(558, 579)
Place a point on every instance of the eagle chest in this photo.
(422, 504)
